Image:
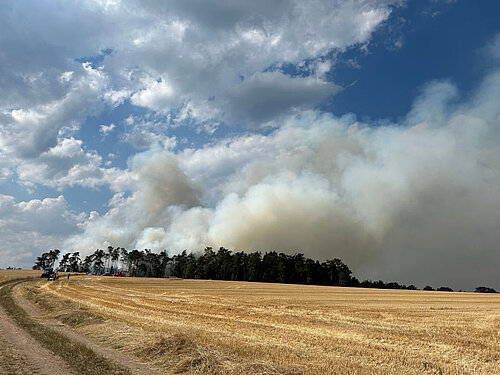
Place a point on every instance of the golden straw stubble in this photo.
(293, 328)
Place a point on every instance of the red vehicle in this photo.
(118, 274)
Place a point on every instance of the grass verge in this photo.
(63, 311)
(79, 357)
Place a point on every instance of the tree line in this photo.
(222, 264)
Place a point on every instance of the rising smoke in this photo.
(416, 201)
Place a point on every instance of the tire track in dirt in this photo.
(41, 359)
(136, 367)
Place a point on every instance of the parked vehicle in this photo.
(47, 272)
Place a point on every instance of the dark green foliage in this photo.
(87, 263)
(74, 263)
(98, 261)
(64, 263)
(444, 289)
(485, 289)
(272, 267)
(383, 285)
(46, 260)
(70, 262)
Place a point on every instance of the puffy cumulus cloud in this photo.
(144, 132)
(5, 168)
(157, 95)
(195, 63)
(294, 29)
(106, 129)
(27, 132)
(37, 141)
(68, 164)
(211, 62)
(177, 57)
(415, 201)
(31, 227)
(41, 54)
(143, 139)
(46, 93)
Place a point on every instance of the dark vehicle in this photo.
(47, 272)
(50, 274)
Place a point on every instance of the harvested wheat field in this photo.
(196, 326)
(6, 275)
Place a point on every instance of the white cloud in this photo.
(210, 47)
(490, 54)
(28, 132)
(197, 63)
(5, 168)
(106, 129)
(174, 57)
(157, 95)
(143, 139)
(116, 97)
(68, 164)
(144, 132)
(37, 142)
(31, 227)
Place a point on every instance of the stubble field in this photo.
(195, 326)
(6, 275)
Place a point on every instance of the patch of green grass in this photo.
(79, 357)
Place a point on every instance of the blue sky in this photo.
(365, 130)
(438, 46)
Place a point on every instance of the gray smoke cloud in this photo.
(416, 201)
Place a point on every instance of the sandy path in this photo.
(133, 365)
(12, 361)
(43, 361)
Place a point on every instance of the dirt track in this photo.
(23, 346)
(38, 360)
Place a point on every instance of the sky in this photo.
(361, 129)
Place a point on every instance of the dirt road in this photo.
(24, 355)
(32, 357)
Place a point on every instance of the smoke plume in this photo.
(416, 201)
